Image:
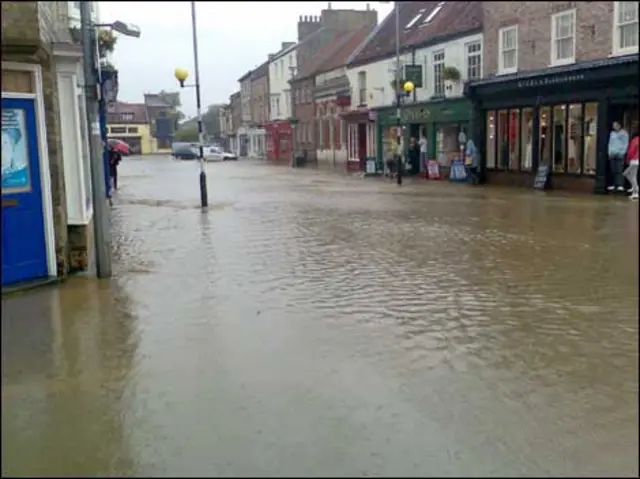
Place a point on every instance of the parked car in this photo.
(229, 156)
(120, 146)
(185, 153)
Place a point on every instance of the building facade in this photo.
(555, 83)
(259, 111)
(128, 122)
(315, 34)
(245, 101)
(332, 97)
(235, 107)
(46, 189)
(282, 66)
(162, 114)
(441, 48)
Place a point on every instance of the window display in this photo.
(490, 143)
(574, 131)
(590, 137)
(559, 130)
(514, 140)
(503, 139)
(545, 138)
(526, 138)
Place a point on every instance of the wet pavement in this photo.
(321, 325)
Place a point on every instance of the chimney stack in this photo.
(329, 6)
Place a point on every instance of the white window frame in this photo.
(438, 75)
(554, 40)
(467, 56)
(501, 68)
(616, 49)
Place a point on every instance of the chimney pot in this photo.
(329, 6)
(368, 7)
(300, 19)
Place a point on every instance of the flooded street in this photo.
(314, 324)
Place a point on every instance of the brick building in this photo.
(259, 110)
(557, 75)
(314, 33)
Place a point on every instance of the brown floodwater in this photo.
(313, 324)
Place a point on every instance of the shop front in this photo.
(440, 121)
(361, 138)
(278, 140)
(558, 118)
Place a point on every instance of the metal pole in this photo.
(101, 219)
(204, 201)
(398, 92)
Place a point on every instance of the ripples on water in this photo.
(504, 320)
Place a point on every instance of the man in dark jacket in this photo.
(114, 160)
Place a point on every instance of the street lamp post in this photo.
(402, 89)
(181, 75)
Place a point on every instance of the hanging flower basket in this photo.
(451, 74)
(106, 42)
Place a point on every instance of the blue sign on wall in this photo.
(458, 171)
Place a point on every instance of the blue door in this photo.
(24, 255)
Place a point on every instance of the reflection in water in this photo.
(62, 414)
(314, 324)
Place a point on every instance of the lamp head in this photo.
(408, 87)
(181, 75)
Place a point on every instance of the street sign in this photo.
(413, 73)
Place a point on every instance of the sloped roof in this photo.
(139, 111)
(244, 77)
(447, 19)
(335, 54)
(166, 99)
(261, 71)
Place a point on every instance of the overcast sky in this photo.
(233, 37)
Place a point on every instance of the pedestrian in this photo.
(114, 160)
(631, 172)
(472, 161)
(423, 150)
(414, 155)
(617, 150)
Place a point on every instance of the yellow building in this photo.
(128, 122)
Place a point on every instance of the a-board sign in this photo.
(541, 180)
(458, 171)
(433, 170)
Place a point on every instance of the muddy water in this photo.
(313, 324)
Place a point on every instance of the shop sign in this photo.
(413, 73)
(553, 80)
(415, 115)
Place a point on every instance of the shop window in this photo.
(490, 143)
(447, 146)
(132, 130)
(544, 152)
(503, 140)
(526, 138)
(575, 143)
(590, 137)
(559, 132)
(514, 140)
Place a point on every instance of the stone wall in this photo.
(19, 22)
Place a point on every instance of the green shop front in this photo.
(440, 121)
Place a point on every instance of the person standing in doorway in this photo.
(114, 160)
(618, 144)
(631, 173)
(423, 150)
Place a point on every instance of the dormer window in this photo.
(432, 15)
(415, 19)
